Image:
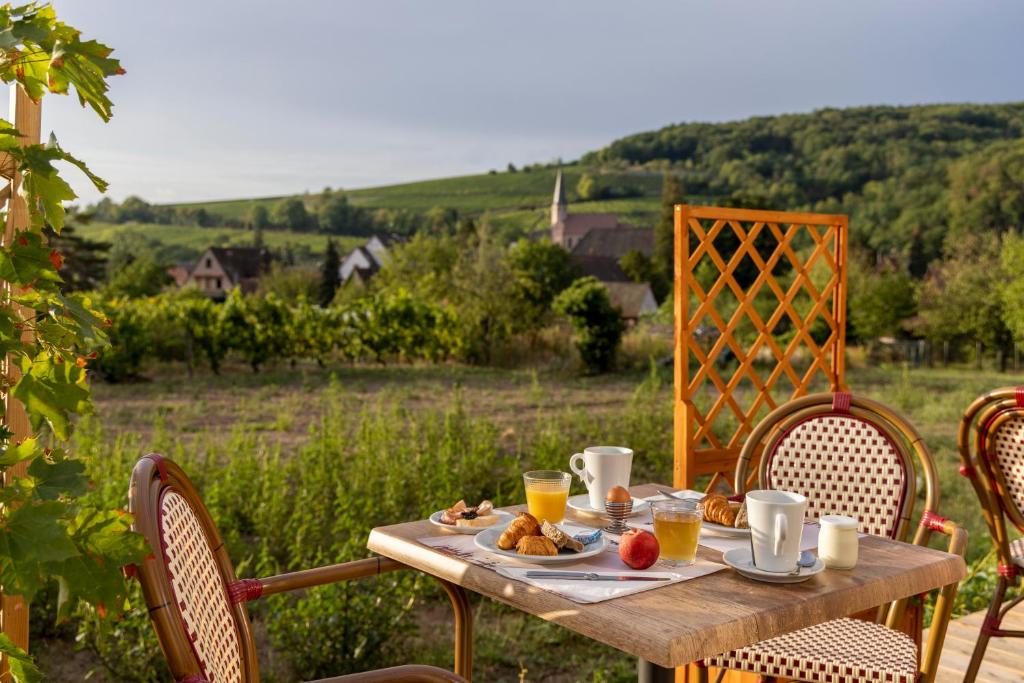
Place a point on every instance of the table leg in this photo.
(649, 672)
(463, 629)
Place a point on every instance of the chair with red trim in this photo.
(197, 605)
(851, 456)
(991, 440)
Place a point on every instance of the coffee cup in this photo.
(776, 521)
(601, 468)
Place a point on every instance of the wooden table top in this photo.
(683, 622)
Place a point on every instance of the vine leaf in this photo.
(22, 668)
(53, 480)
(51, 391)
(33, 537)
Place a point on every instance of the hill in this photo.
(904, 174)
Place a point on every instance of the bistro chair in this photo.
(993, 460)
(197, 605)
(852, 456)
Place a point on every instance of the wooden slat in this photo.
(677, 624)
(26, 117)
(1004, 658)
(699, 443)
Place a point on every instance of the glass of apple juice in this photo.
(677, 528)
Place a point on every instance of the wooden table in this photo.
(677, 624)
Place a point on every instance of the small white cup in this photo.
(601, 468)
(776, 526)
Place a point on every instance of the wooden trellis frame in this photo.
(26, 116)
(804, 247)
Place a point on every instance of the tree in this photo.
(330, 277)
(290, 213)
(881, 300)
(1012, 293)
(84, 264)
(987, 191)
(142, 276)
(961, 300)
(587, 188)
(665, 230)
(542, 270)
(442, 220)
(259, 217)
(597, 325)
(290, 282)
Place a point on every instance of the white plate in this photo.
(581, 503)
(488, 539)
(503, 519)
(740, 560)
(713, 529)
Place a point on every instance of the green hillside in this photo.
(905, 175)
(176, 243)
(503, 192)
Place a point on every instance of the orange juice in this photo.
(547, 492)
(547, 504)
(677, 531)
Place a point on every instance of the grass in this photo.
(184, 242)
(453, 430)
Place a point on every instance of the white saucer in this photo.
(581, 504)
(503, 519)
(488, 538)
(740, 560)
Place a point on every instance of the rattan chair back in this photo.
(996, 452)
(203, 630)
(849, 455)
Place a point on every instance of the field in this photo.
(411, 438)
(498, 193)
(184, 242)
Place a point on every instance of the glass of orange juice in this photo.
(677, 528)
(546, 494)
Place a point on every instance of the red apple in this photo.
(638, 548)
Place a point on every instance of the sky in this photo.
(241, 98)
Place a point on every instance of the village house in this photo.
(221, 269)
(363, 262)
(596, 243)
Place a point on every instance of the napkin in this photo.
(582, 592)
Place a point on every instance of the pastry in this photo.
(478, 521)
(536, 545)
(524, 524)
(560, 538)
(741, 518)
(718, 510)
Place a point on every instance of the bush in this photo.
(597, 324)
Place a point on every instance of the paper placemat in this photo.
(583, 592)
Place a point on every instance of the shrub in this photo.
(597, 325)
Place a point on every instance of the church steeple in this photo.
(559, 205)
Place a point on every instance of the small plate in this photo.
(713, 529)
(581, 503)
(503, 519)
(488, 540)
(740, 560)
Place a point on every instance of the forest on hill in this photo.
(907, 176)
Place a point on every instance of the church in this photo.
(596, 242)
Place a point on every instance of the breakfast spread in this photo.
(462, 515)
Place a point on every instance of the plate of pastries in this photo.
(470, 519)
(526, 538)
(724, 517)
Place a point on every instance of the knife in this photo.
(592, 576)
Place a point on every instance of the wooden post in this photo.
(26, 116)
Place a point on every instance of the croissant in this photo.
(536, 545)
(718, 510)
(524, 524)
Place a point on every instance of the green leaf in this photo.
(27, 261)
(66, 477)
(15, 453)
(33, 537)
(51, 391)
(23, 669)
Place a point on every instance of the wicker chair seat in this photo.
(838, 651)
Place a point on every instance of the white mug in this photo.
(602, 468)
(776, 525)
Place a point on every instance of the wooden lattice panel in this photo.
(760, 318)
